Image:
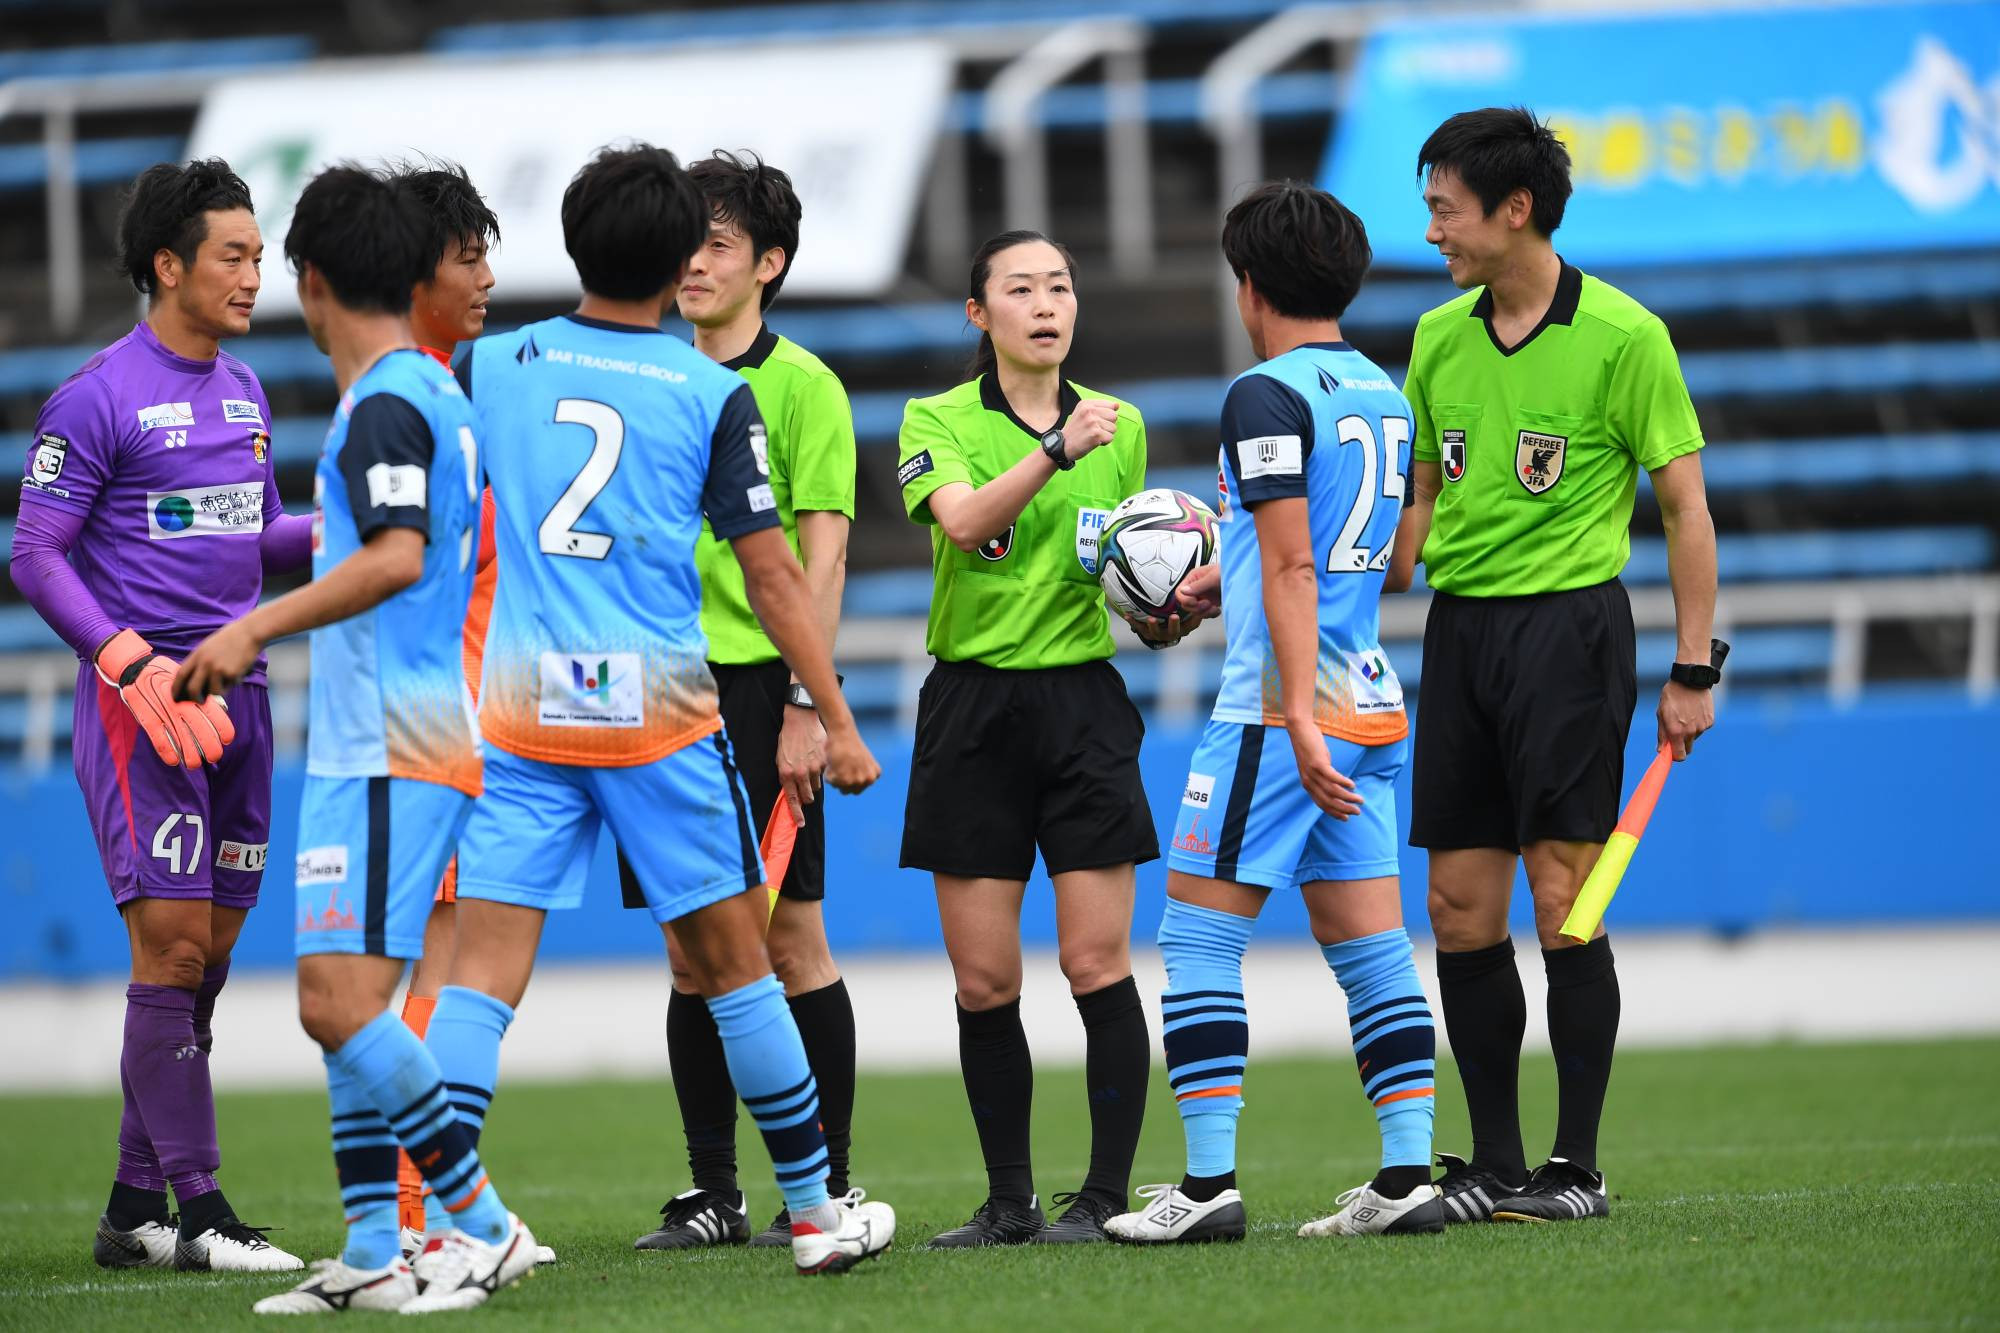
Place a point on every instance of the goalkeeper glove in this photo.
(183, 734)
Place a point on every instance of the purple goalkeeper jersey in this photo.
(168, 461)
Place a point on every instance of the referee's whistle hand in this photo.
(1684, 714)
(850, 768)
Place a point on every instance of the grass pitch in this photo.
(1756, 1187)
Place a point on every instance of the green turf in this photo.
(1788, 1186)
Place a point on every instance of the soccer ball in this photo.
(1149, 544)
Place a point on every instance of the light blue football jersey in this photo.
(388, 686)
(1321, 421)
(605, 446)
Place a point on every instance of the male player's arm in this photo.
(972, 515)
(737, 500)
(1651, 415)
(386, 464)
(285, 543)
(1426, 477)
(819, 470)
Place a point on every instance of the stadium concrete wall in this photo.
(1795, 811)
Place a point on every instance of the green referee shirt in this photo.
(809, 430)
(1029, 598)
(1540, 446)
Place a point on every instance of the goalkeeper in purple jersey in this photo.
(149, 517)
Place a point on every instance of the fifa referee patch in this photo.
(913, 467)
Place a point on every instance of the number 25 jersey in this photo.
(605, 445)
(1324, 423)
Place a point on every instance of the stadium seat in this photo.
(222, 54)
(25, 166)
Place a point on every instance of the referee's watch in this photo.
(1701, 675)
(1052, 445)
(797, 696)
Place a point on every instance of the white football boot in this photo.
(459, 1271)
(867, 1227)
(1363, 1212)
(233, 1248)
(1171, 1217)
(148, 1245)
(335, 1288)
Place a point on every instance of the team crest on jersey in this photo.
(1538, 460)
(260, 444)
(997, 548)
(1451, 449)
(50, 454)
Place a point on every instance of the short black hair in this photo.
(749, 193)
(363, 235)
(453, 209)
(631, 220)
(168, 209)
(1498, 150)
(1301, 248)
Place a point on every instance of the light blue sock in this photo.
(364, 1157)
(767, 1062)
(1205, 1028)
(401, 1077)
(464, 1037)
(1395, 1042)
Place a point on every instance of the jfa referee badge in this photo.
(1538, 460)
(1451, 448)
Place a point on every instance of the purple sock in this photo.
(138, 1164)
(168, 1075)
(212, 982)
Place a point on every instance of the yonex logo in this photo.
(187, 1052)
(176, 439)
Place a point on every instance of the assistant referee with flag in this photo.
(1537, 396)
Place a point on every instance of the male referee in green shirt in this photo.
(1537, 397)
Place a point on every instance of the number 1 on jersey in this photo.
(1345, 557)
(558, 533)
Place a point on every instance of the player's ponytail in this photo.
(984, 359)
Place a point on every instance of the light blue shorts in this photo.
(1246, 817)
(371, 852)
(683, 823)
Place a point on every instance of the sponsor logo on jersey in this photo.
(336, 915)
(592, 690)
(166, 414)
(760, 448)
(996, 548)
(1373, 683)
(913, 467)
(204, 511)
(51, 452)
(321, 865)
(1451, 451)
(1200, 790)
(176, 439)
(1195, 839)
(242, 855)
(260, 444)
(760, 498)
(241, 410)
(1089, 524)
(1271, 456)
(1377, 384)
(1538, 460)
(396, 485)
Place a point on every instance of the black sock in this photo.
(131, 1207)
(1396, 1182)
(826, 1025)
(1000, 1088)
(1485, 1015)
(1203, 1188)
(707, 1098)
(1583, 1030)
(203, 1212)
(1118, 1059)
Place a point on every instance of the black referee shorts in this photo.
(753, 711)
(1008, 761)
(1522, 715)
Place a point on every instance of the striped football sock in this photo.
(1395, 1044)
(410, 1181)
(364, 1157)
(401, 1077)
(1206, 1029)
(767, 1063)
(464, 1035)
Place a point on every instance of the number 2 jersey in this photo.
(605, 446)
(1321, 421)
(388, 685)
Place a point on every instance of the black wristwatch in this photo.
(1052, 445)
(797, 696)
(1701, 675)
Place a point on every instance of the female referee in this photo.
(1025, 735)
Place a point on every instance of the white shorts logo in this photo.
(391, 487)
(166, 414)
(593, 690)
(321, 865)
(244, 855)
(1200, 790)
(204, 511)
(1089, 523)
(241, 409)
(1271, 456)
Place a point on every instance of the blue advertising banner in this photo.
(1722, 134)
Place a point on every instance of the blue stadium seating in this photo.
(25, 166)
(221, 54)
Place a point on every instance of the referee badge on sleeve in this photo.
(1451, 449)
(1538, 460)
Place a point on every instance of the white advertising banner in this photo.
(852, 123)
